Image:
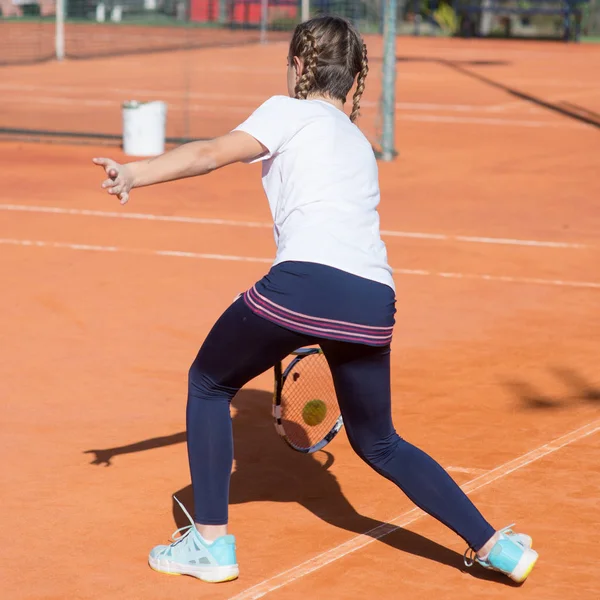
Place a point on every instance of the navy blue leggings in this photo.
(241, 346)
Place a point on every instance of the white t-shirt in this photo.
(321, 179)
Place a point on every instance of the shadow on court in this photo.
(267, 470)
(469, 63)
(578, 390)
(464, 67)
(565, 109)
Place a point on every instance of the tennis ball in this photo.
(314, 412)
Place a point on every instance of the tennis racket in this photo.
(305, 407)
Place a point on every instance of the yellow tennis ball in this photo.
(314, 412)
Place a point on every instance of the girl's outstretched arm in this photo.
(188, 160)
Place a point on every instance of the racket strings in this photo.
(310, 379)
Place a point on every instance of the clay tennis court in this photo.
(491, 219)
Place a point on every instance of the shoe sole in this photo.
(208, 574)
(524, 566)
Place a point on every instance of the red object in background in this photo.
(244, 12)
(238, 11)
(204, 11)
(249, 11)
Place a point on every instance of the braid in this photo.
(310, 55)
(360, 84)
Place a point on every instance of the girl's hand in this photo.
(120, 178)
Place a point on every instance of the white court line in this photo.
(367, 107)
(506, 279)
(247, 104)
(248, 101)
(497, 121)
(321, 560)
(240, 110)
(470, 470)
(264, 225)
(234, 258)
(95, 248)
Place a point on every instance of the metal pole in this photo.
(305, 10)
(264, 10)
(388, 95)
(59, 35)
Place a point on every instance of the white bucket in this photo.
(101, 12)
(144, 126)
(116, 14)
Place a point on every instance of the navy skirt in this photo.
(325, 302)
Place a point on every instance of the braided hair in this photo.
(333, 56)
(310, 56)
(360, 84)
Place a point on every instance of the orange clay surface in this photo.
(496, 351)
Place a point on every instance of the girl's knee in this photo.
(376, 451)
(203, 386)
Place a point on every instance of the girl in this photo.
(330, 284)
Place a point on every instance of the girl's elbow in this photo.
(207, 159)
(211, 164)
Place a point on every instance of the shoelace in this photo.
(470, 556)
(175, 539)
(178, 535)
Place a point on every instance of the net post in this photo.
(305, 10)
(264, 11)
(388, 94)
(59, 34)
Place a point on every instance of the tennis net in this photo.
(192, 54)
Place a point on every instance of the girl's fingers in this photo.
(110, 166)
(107, 163)
(116, 189)
(109, 183)
(114, 184)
